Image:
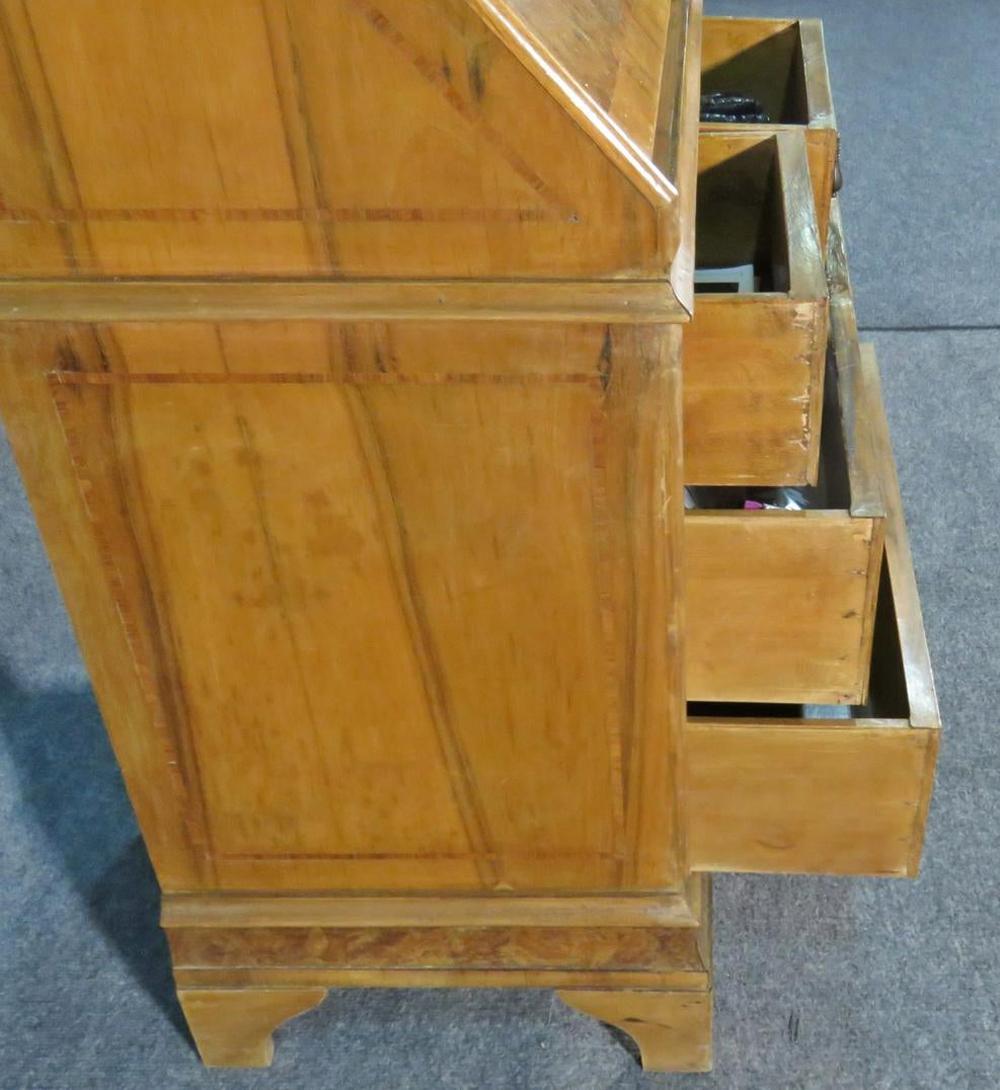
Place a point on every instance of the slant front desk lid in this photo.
(343, 139)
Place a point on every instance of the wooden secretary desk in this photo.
(341, 356)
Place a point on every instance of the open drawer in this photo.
(803, 790)
(782, 64)
(754, 360)
(781, 603)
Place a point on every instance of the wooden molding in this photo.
(677, 909)
(598, 301)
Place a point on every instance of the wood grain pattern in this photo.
(278, 946)
(824, 798)
(482, 491)
(780, 606)
(673, 909)
(233, 1028)
(631, 949)
(672, 1029)
(865, 463)
(754, 364)
(614, 51)
(782, 63)
(479, 157)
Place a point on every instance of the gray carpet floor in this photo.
(821, 983)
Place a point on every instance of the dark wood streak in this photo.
(432, 74)
(299, 133)
(274, 563)
(604, 589)
(394, 533)
(34, 122)
(61, 150)
(497, 857)
(477, 81)
(156, 670)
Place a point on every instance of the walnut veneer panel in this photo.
(377, 584)
(614, 49)
(361, 138)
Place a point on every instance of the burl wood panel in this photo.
(376, 583)
(399, 138)
(654, 951)
(232, 941)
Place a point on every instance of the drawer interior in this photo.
(758, 57)
(740, 213)
(781, 63)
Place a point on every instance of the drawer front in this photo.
(782, 63)
(754, 362)
(781, 604)
(794, 798)
(835, 796)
